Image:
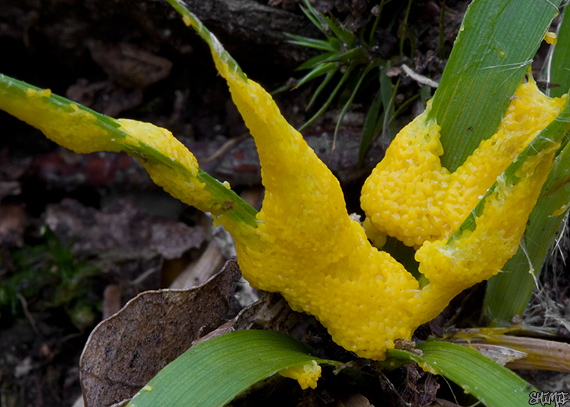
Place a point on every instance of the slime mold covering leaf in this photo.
(303, 243)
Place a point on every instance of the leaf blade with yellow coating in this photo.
(83, 130)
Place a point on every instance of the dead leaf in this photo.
(270, 312)
(127, 350)
(9, 188)
(172, 239)
(124, 226)
(443, 403)
(106, 97)
(420, 387)
(129, 65)
(201, 269)
(13, 222)
(500, 354)
(354, 400)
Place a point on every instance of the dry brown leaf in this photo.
(111, 300)
(9, 188)
(13, 222)
(201, 269)
(124, 226)
(270, 312)
(125, 351)
(129, 65)
(354, 400)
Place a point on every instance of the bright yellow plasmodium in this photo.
(454, 265)
(306, 374)
(410, 196)
(182, 184)
(69, 126)
(320, 259)
(304, 244)
(308, 249)
(550, 38)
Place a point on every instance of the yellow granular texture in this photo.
(410, 196)
(30, 92)
(307, 375)
(478, 255)
(321, 261)
(159, 139)
(308, 248)
(550, 38)
(72, 129)
(169, 163)
(173, 167)
(179, 178)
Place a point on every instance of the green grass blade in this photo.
(202, 31)
(355, 55)
(24, 102)
(404, 28)
(376, 21)
(346, 36)
(312, 43)
(312, 14)
(319, 70)
(376, 123)
(351, 98)
(320, 88)
(495, 45)
(370, 130)
(214, 372)
(509, 293)
(315, 61)
(325, 106)
(320, 21)
(560, 66)
(494, 385)
(388, 101)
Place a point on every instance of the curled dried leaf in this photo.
(127, 350)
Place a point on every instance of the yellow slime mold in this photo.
(321, 261)
(410, 196)
(306, 246)
(307, 374)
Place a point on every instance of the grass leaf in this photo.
(332, 95)
(496, 43)
(312, 43)
(560, 66)
(320, 88)
(388, 101)
(370, 129)
(351, 98)
(493, 384)
(509, 293)
(214, 372)
(50, 112)
(318, 70)
(314, 62)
